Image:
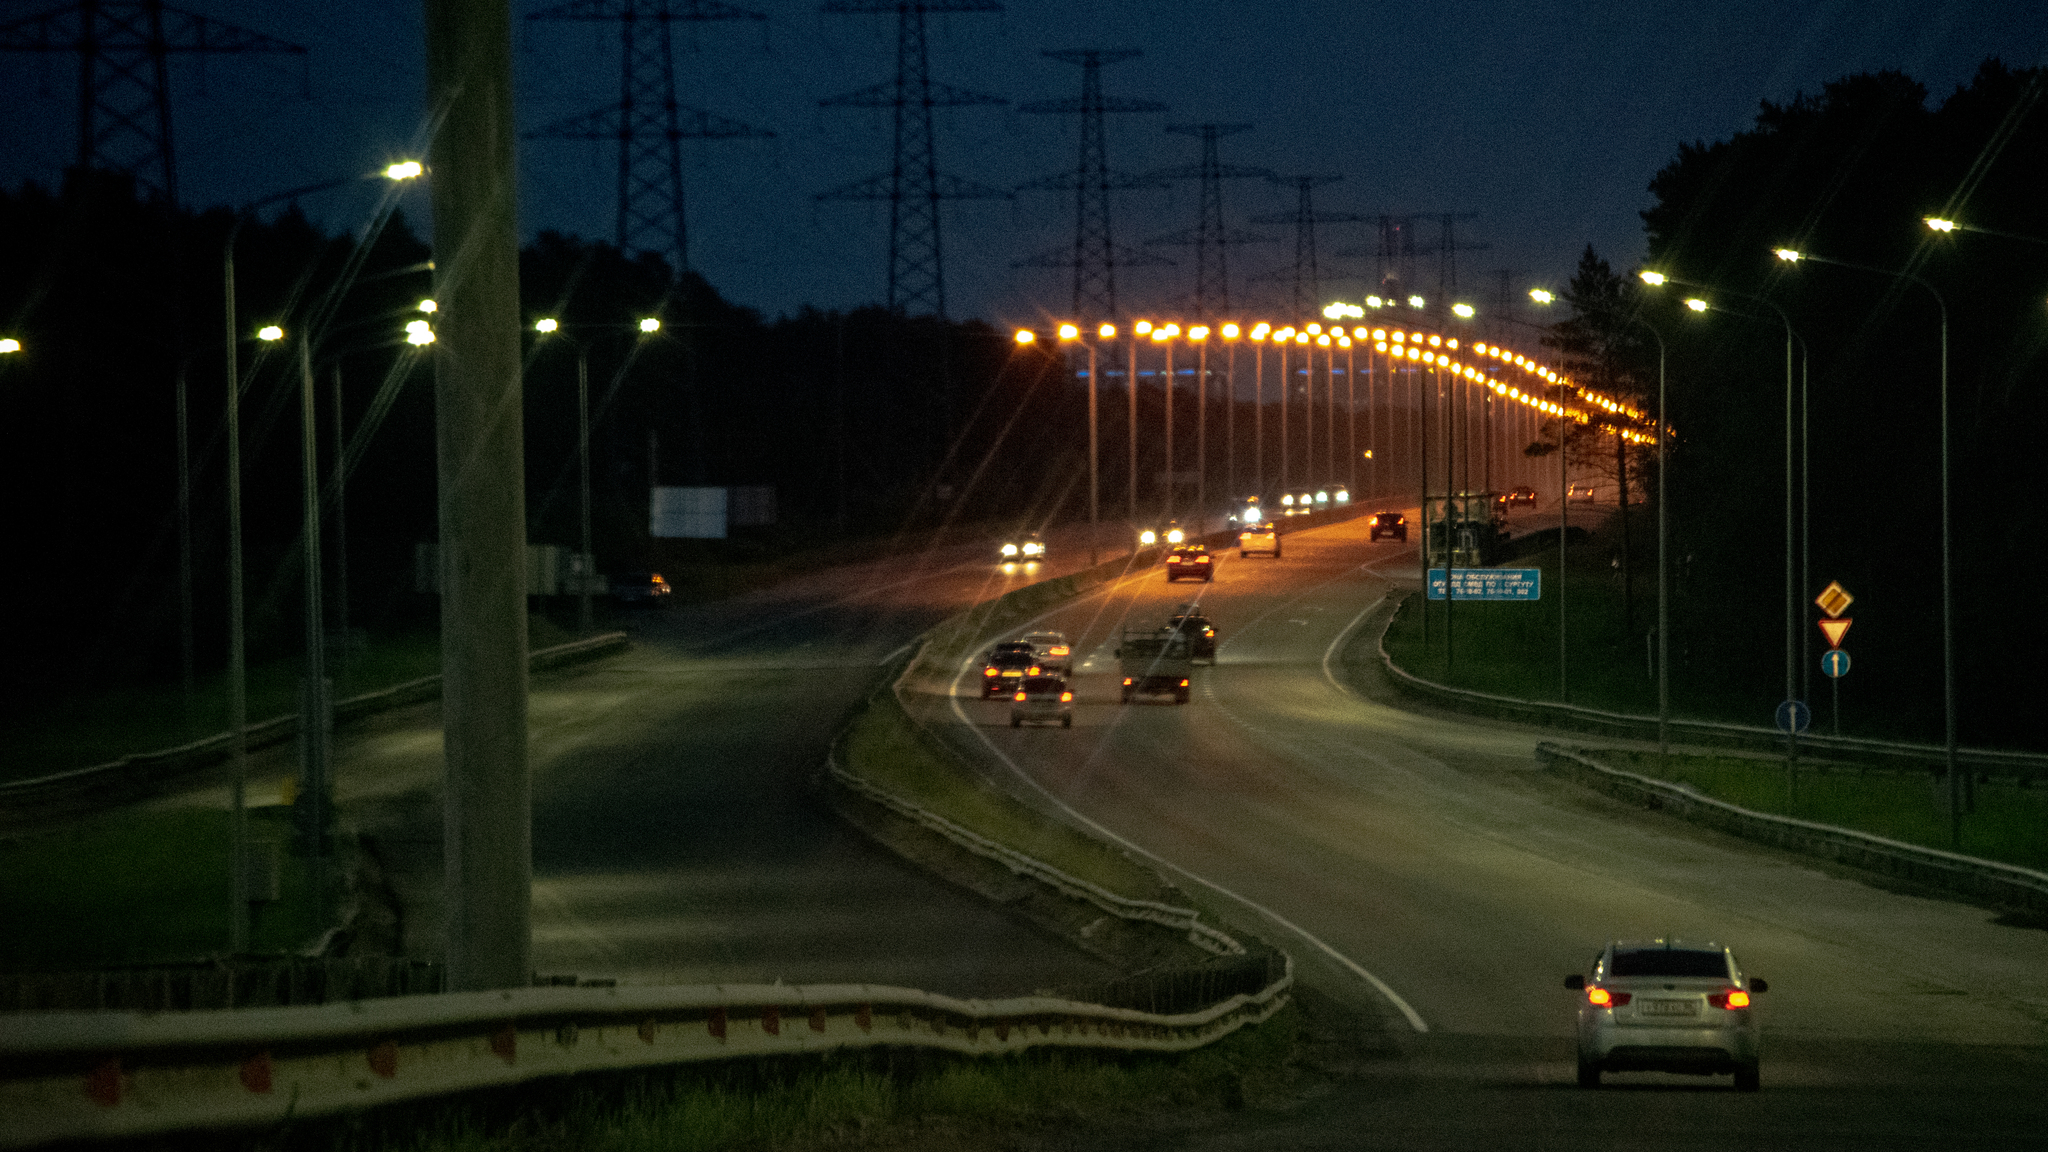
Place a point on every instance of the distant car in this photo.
(1388, 526)
(641, 589)
(1667, 1006)
(1040, 699)
(1199, 629)
(1190, 560)
(1259, 538)
(1521, 494)
(1174, 533)
(1580, 494)
(1054, 654)
(1301, 503)
(1024, 547)
(1008, 667)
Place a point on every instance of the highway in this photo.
(1428, 876)
(674, 837)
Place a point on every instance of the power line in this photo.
(124, 89)
(648, 122)
(1095, 254)
(1307, 278)
(913, 186)
(1209, 237)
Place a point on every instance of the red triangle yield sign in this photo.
(1835, 630)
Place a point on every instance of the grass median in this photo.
(886, 747)
(2010, 824)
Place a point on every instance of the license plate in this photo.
(1670, 1008)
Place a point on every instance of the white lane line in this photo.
(1336, 645)
(1415, 1020)
(891, 657)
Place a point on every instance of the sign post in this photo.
(1835, 600)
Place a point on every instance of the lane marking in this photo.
(1414, 1018)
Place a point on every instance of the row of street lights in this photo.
(1307, 339)
(1795, 646)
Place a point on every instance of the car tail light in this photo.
(1060, 650)
(1733, 998)
(1127, 681)
(1183, 683)
(1066, 697)
(988, 672)
(1602, 998)
(1020, 697)
(1034, 671)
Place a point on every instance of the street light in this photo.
(549, 326)
(1948, 635)
(9, 345)
(1105, 332)
(1793, 580)
(1564, 505)
(238, 679)
(1230, 334)
(1199, 334)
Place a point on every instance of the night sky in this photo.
(1547, 119)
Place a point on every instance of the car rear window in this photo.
(1044, 684)
(1013, 659)
(1671, 962)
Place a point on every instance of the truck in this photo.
(1473, 523)
(1156, 663)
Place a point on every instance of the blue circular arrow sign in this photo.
(1835, 663)
(1794, 716)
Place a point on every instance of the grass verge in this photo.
(141, 886)
(2010, 824)
(49, 735)
(886, 747)
(878, 1098)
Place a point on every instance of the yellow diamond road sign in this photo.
(1834, 599)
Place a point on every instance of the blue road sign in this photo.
(1794, 716)
(1835, 663)
(1489, 583)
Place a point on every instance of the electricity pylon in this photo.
(648, 122)
(913, 186)
(1447, 249)
(1209, 236)
(124, 87)
(1095, 255)
(1394, 254)
(1308, 288)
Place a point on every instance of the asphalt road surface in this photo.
(1431, 878)
(674, 838)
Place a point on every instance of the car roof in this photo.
(1048, 635)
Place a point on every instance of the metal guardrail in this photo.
(2023, 766)
(144, 773)
(95, 1075)
(74, 1076)
(2007, 885)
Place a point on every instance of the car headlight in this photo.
(1148, 537)
(1009, 549)
(1033, 549)
(1251, 515)
(1175, 536)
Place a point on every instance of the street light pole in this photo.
(1948, 635)
(1200, 335)
(1131, 388)
(315, 725)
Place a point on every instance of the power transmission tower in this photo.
(648, 122)
(1308, 288)
(1447, 249)
(1095, 255)
(124, 86)
(1393, 254)
(913, 186)
(1209, 236)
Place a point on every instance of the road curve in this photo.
(1428, 873)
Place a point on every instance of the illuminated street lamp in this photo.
(1948, 635)
(9, 345)
(1794, 580)
(1105, 332)
(548, 326)
(313, 724)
